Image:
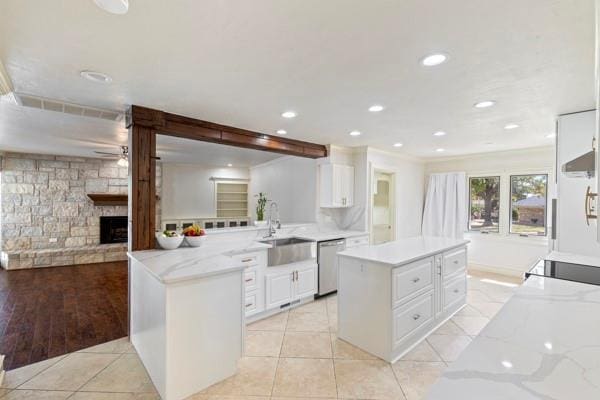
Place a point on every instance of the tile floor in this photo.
(294, 354)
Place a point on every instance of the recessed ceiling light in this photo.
(484, 104)
(230, 165)
(551, 135)
(113, 6)
(289, 114)
(548, 345)
(507, 364)
(355, 133)
(440, 150)
(95, 76)
(398, 145)
(511, 126)
(281, 131)
(434, 59)
(376, 108)
(439, 133)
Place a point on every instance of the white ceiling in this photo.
(242, 63)
(177, 150)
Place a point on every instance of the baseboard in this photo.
(513, 272)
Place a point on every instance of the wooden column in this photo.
(143, 186)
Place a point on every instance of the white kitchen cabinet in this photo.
(336, 186)
(413, 287)
(289, 284)
(256, 264)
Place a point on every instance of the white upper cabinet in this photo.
(336, 186)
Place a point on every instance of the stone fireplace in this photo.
(47, 218)
(113, 230)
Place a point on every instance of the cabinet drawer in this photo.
(250, 259)
(455, 291)
(411, 280)
(251, 278)
(357, 241)
(454, 261)
(251, 303)
(412, 316)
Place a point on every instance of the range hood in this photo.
(583, 166)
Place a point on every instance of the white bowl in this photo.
(260, 223)
(169, 243)
(195, 241)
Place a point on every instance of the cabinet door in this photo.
(338, 186)
(347, 174)
(306, 282)
(279, 289)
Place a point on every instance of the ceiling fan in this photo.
(123, 157)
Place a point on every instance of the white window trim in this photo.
(505, 206)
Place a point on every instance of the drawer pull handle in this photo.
(416, 316)
(249, 280)
(246, 260)
(415, 280)
(456, 290)
(249, 305)
(455, 261)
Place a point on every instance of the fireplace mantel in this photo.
(105, 199)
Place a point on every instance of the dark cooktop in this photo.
(566, 271)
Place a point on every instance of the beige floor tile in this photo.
(347, 351)
(304, 377)
(468, 311)
(366, 379)
(332, 304)
(254, 378)
(221, 397)
(488, 309)
(276, 322)
(417, 377)
(16, 377)
(127, 374)
(263, 343)
(448, 347)
(306, 345)
(118, 346)
(308, 322)
(471, 325)
(71, 372)
(477, 296)
(333, 321)
(317, 306)
(36, 394)
(114, 396)
(449, 328)
(422, 352)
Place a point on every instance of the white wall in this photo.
(409, 189)
(503, 253)
(289, 181)
(188, 191)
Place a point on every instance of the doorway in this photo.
(382, 206)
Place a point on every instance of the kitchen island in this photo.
(543, 344)
(392, 295)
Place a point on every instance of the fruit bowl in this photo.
(195, 241)
(169, 243)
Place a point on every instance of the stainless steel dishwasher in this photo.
(328, 265)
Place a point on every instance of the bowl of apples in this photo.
(194, 235)
(168, 240)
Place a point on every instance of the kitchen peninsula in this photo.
(189, 306)
(401, 290)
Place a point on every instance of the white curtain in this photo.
(445, 211)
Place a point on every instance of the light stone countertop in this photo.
(215, 255)
(573, 258)
(543, 344)
(403, 251)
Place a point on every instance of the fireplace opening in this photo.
(113, 230)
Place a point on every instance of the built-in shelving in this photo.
(231, 199)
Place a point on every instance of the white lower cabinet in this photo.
(400, 304)
(290, 283)
(254, 287)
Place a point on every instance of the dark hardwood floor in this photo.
(47, 312)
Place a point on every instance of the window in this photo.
(528, 195)
(484, 204)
